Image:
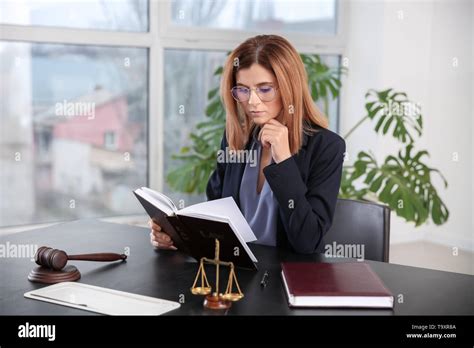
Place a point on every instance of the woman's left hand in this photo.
(275, 135)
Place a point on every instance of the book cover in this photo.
(342, 284)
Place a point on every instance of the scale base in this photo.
(215, 301)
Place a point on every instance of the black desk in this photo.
(169, 274)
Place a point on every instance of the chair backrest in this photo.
(360, 223)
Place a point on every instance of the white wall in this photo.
(410, 46)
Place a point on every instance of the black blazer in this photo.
(305, 186)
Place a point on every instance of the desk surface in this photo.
(169, 275)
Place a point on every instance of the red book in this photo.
(352, 284)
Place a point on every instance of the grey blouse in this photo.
(260, 210)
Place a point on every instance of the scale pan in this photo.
(204, 290)
(232, 296)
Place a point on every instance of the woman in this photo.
(290, 197)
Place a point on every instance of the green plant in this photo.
(402, 181)
(322, 79)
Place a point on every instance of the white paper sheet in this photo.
(101, 300)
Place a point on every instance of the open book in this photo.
(195, 228)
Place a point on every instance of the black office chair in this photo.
(361, 223)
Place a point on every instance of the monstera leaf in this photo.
(404, 183)
(324, 81)
(394, 112)
(347, 189)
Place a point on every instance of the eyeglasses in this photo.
(265, 93)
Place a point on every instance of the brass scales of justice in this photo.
(216, 300)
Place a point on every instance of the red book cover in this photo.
(352, 284)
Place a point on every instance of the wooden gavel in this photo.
(56, 259)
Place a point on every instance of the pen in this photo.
(264, 279)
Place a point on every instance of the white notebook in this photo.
(101, 300)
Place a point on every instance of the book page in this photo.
(161, 197)
(244, 244)
(157, 201)
(222, 208)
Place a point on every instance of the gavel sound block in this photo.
(53, 267)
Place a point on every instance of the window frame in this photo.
(161, 35)
(110, 140)
(215, 38)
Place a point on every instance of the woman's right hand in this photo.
(159, 238)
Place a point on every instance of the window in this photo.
(310, 16)
(124, 15)
(331, 110)
(59, 103)
(110, 140)
(189, 75)
(97, 95)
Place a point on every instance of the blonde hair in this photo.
(278, 56)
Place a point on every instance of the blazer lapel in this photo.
(237, 171)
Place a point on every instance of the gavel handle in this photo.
(98, 257)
